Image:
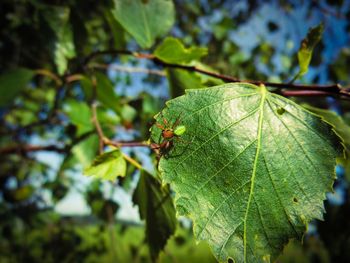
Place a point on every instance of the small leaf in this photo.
(173, 51)
(145, 20)
(107, 166)
(307, 45)
(249, 174)
(156, 207)
(80, 115)
(12, 82)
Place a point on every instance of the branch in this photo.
(22, 149)
(129, 69)
(327, 90)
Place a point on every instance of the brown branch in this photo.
(22, 149)
(328, 90)
(128, 69)
(98, 128)
(126, 144)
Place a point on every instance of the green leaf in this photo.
(307, 45)
(180, 80)
(251, 170)
(105, 91)
(173, 51)
(80, 115)
(145, 20)
(340, 126)
(12, 82)
(57, 18)
(85, 151)
(157, 208)
(107, 166)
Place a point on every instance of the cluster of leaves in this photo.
(251, 170)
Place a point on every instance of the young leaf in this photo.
(144, 19)
(251, 170)
(157, 209)
(12, 82)
(107, 166)
(307, 45)
(173, 51)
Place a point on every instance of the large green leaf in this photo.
(145, 20)
(12, 82)
(107, 166)
(307, 46)
(157, 209)
(251, 170)
(173, 51)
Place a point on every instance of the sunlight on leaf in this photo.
(307, 46)
(251, 170)
(107, 166)
(171, 50)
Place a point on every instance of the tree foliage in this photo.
(239, 154)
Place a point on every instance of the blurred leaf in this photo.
(64, 49)
(22, 193)
(236, 180)
(128, 113)
(145, 20)
(107, 166)
(12, 82)
(171, 50)
(104, 90)
(86, 150)
(80, 115)
(157, 209)
(117, 30)
(180, 80)
(307, 45)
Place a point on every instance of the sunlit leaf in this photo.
(307, 46)
(251, 170)
(145, 20)
(171, 50)
(107, 166)
(157, 209)
(12, 82)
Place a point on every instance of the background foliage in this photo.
(50, 76)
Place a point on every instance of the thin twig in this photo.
(22, 149)
(334, 89)
(98, 128)
(128, 69)
(126, 144)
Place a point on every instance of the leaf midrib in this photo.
(261, 117)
